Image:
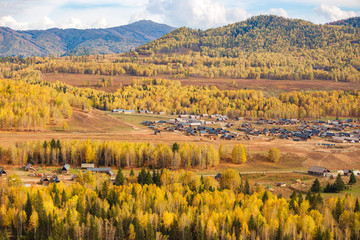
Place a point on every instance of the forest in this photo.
(176, 205)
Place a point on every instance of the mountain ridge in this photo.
(260, 33)
(56, 41)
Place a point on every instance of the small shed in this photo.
(347, 172)
(65, 168)
(318, 171)
(54, 179)
(87, 165)
(44, 180)
(28, 166)
(110, 173)
(73, 177)
(2, 172)
(218, 176)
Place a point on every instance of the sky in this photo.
(202, 14)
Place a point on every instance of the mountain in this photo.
(353, 22)
(57, 41)
(258, 34)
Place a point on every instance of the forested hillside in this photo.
(32, 107)
(79, 42)
(261, 33)
(353, 22)
(267, 47)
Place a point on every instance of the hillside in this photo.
(353, 22)
(74, 41)
(260, 33)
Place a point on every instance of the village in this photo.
(222, 127)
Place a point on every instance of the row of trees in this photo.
(122, 154)
(296, 65)
(180, 206)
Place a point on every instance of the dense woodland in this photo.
(178, 205)
(31, 107)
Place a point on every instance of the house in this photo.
(101, 170)
(44, 180)
(2, 172)
(28, 166)
(218, 176)
(54, 179)
(347, 172)
(128, 111)
(87, 165)
(110, 173)
(281, 184)
(318, 171)
(65, 168)
(161, 113)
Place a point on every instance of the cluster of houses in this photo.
(193, 125)
(324, 172)
(306, 130)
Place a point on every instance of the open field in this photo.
(82, 80)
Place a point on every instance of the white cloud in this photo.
(44, 23)
(340, 3)
(9, 21)
(74, 23)
(193, 13)
(279, 12)
(333, 13)
(100, 23)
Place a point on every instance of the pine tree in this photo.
(251, 223)
(357, 206)
(119, 179)
(316, 187)
(339, 209)
(352, 179)
(339, 184)
(175, 147)
(28, 208)
(247, 187)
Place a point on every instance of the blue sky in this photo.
(44, 14)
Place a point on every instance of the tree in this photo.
(222, 151)
(238, 154)
(339, 209)
(230, 179)
(247, 189)
(352, 179)
(339, 184)
(357, 206)
(315, 187)
(119, 179)
(175, 147)
(274, 154)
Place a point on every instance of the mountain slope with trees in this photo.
(353, 22)
(261, 33)
(78, 42)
